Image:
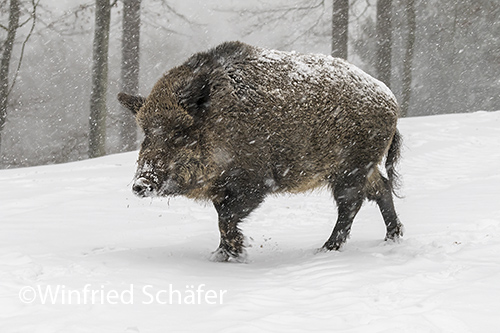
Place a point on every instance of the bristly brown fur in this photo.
(239, 122)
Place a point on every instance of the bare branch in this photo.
(176, 13)
(33, 18)
(284, 10)
(356, 16)
(76, 13)
(152, 23)
(305, 33)
(271, 17)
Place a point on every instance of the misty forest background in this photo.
(60, 71)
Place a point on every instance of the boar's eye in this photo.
(153, 131)
(157, 131)
(178, 136)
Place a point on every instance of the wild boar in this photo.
(237, 123)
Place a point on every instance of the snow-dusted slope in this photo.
(75, 232)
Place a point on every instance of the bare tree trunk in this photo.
(97, 120)
(408, 59)
(384, 41)
(14, 14)
(130, 70)
(340, 24)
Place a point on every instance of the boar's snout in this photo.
(143, 187)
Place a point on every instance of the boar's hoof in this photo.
(330, 246)
(336, 241)
(396, 233)
(223, 255)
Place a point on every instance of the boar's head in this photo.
(171, 157)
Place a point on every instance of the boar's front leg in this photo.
(237, 197)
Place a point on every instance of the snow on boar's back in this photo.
(239, 122)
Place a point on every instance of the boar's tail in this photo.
(393, 156)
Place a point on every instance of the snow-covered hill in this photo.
(74, 233)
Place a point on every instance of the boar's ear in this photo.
(133, 103)
(195, 97)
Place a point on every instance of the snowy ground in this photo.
(74, 233)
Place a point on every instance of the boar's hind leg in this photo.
(384, 200)
(236, 203)
(349, 195)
